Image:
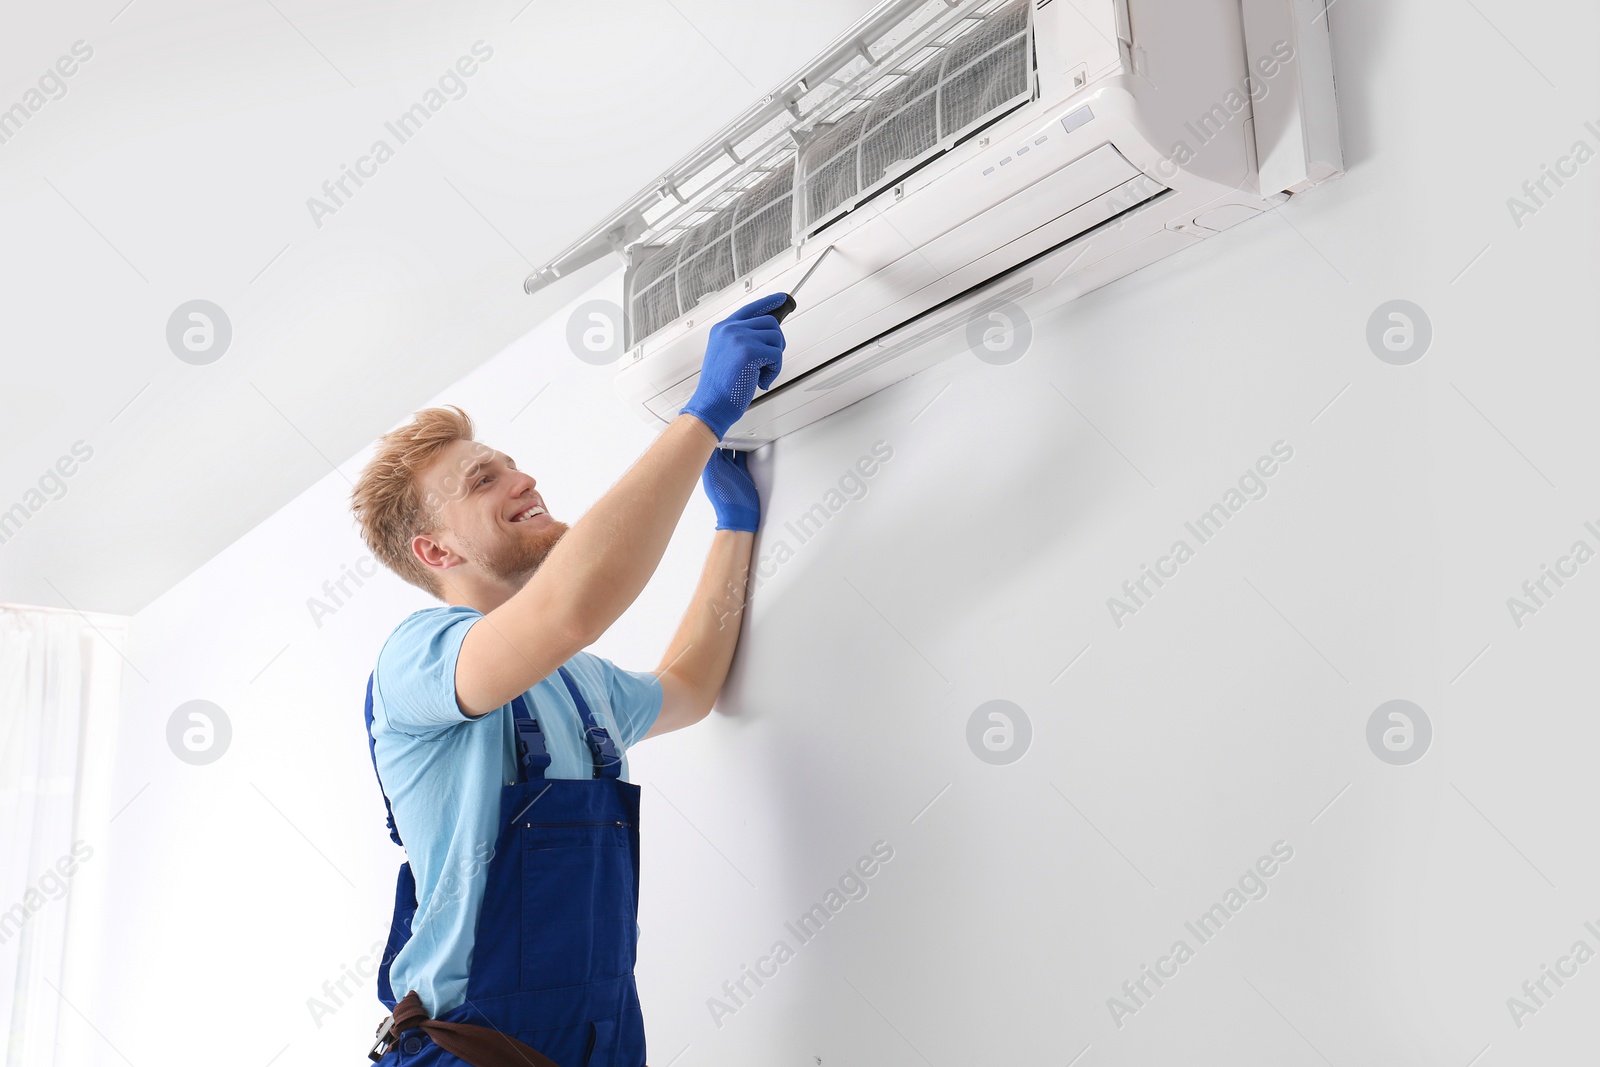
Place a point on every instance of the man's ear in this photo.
(432, 553)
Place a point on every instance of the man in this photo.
(498, 742)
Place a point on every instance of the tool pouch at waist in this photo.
(481, 1046)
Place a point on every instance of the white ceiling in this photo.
(177, 165)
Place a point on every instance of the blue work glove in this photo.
(727, 482)
(746, 349)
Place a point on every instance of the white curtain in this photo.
(60, 682)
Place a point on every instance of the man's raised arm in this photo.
(602, 563)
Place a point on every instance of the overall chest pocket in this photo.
(608, 833)
(577, 906)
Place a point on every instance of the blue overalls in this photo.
(553, 952)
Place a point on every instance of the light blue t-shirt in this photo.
(443, 771)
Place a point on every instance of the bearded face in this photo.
(512, 555)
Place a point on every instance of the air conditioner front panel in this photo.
(890, 312)
(1054, 279)
(906, 352)
(950, 239)
(958, 297)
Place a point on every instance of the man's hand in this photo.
(745, 350)
(733, 493)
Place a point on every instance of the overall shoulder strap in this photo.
(607, 763)
(372, 749)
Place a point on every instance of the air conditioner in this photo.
(945, 159)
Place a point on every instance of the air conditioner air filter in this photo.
(941, 75)
(985, 71)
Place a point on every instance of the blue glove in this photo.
(745, 349)
(727, 482)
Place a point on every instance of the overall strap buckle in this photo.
(532, 755)
(381, 1048)
(607, 763)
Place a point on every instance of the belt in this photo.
(480, 1046)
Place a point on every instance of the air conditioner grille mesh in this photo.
(971, 79)
(750, 231)
(652, 290)
(764, 221)
(831, 164)
(705, 262)
(904, 123)
(985, 69)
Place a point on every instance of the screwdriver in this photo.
(789, 303)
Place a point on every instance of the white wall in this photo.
(1226, 715)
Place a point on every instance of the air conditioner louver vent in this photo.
(974, 70)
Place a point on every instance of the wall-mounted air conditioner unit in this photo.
(950, 156)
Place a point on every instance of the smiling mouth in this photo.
(534, 512)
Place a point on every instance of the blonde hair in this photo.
(387, 499)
